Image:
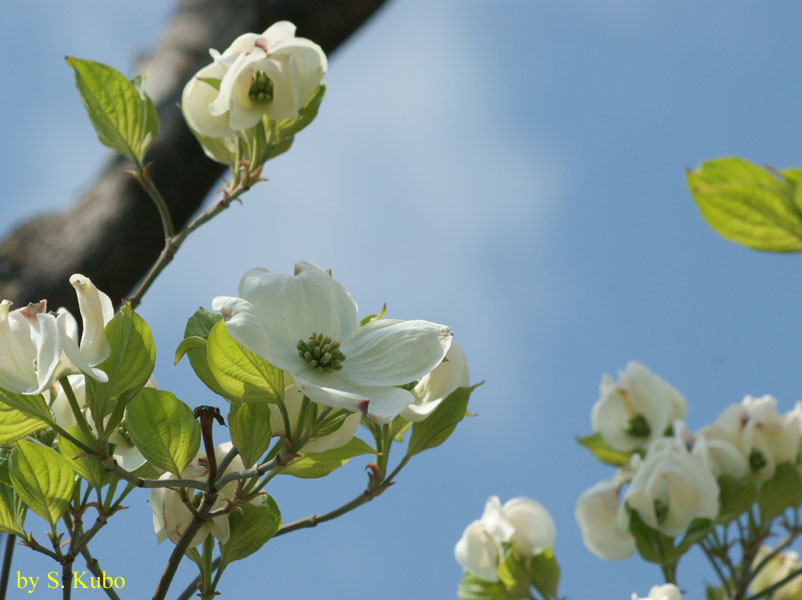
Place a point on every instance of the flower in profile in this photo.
(306, 324)
(668, 591)
(521, 522)
(764, 437)
(37, 347)
(271, 74)
(636, 410)
(435, 387)
(780, 566)
(171, 516)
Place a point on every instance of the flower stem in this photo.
(94, 568)
(8, 554)
(173, 241)
(76, 410)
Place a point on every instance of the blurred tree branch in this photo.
(112, 233)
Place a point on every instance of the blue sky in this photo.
(512, 169)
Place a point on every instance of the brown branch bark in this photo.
(112, 234)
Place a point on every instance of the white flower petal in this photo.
(279, 31)
(196, 99)
(96, 312)
(534, 528)
(478, 553)
(17, 354)
(392, 352)
(293, 307)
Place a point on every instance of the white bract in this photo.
(171, 516)
(764, 437)
(306, 324)
(672, 488)
(714, 447)
(635, 410)
(293, 399)
(37, 347)
(602, 520)
(435, 387)
(522, 522)
(778, 568)
(271, 74)
(668, 591)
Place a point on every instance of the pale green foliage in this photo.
(43, 478)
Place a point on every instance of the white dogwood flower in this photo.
(306, 324)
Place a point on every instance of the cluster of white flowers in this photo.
(522, 523)
(38, 347)
(271, 74)
(671, 478)
(780, 566)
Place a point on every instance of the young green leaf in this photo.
(435, 429)
(43, 478)
(782, 491)
(473, 588)
(198, 328)
(249, 424)
(757, 207)
(121, 112)
(88, 468)
(16, 424)
(250, 530)
(599, 448)
(239, 372)
(312, 466)
(164, 429)
(544, 573)
(132, 358)
(12, 512)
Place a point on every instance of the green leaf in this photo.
(782, 491)
(122, 114)
(249, 424)
(652, 545)
(544, 573)
(599, 448)
(514, 577)
(374, 317)
(224, 150)
(215, 83)
(735, 497)
(473, 588)
(249, 531)
(43, 478)
(198, 328)
(88, 468)
(239, 372)
(30, 405)
(757, 207)
(714, 593)
(697, 530)
(132, 358)
(12, 512)
(289, 127)
(164, 429)
(312, 466)
(15, 424)
(435, 429)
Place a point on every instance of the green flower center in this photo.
(261, 89)
(321, 352)
(660, 510)
(756, 460)
(639, 427)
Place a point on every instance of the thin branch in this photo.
(8, 554)
(94, 568)
(158, 483)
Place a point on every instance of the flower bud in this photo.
(635, 410)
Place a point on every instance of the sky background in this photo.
(514, 169)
